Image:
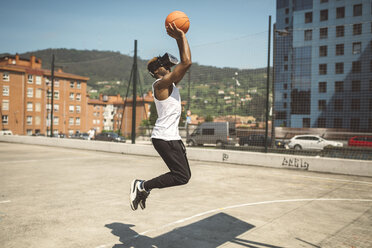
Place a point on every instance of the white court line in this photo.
(237, 206)
(335, 179)
(4, 201)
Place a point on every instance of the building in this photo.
(106, 113)
(26, 95)
(323, 64)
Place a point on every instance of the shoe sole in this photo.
(132, 194)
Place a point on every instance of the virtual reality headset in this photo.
(167, 61)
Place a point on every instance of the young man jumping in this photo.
(165, 136)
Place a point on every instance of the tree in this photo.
(209, 118)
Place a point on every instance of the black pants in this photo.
(174, 155)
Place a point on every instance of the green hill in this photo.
(205, 81)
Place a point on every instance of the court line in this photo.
(54, 159)
(236, 206)
(4, 201)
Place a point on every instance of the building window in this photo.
(370, 66)
(357, 47)
(72, 84)
(5, 105)
(56, 95)
(5, 90)
(38, 93)
(30, 92)
(285, 67)
(4, 120)
(354, 124)
(55, 120)
(339, 49)
(370, 105)
(77, 121)
(339, 67)
(78, 109)
(355, 86)
(286, 20)
(71, 121)
(323, 1)
(38, 80)
(357, 29)
(340, 12)
(56, 107)
(48, 107)
(56, 83)
(29, 120)
(308, 17)
(322, 69)
(356, 67)
(321, 122)
(370, 85)
(285, 105)
(72, 96)
(78, 85)
(322, 51)
(78, 97)
(339, 104)
(322, 105)
(339, 86)
(323, 33)
(324, 15)
(357, 10)
(286, 58)
(49, 94)
(287, 11)
(340, 31)
(337, 123)
(306, 122)
(308, 34)
(30, 79)
(285, 86)
(37, 120)
(71, 108)
(5, 76)
(355, 104)
(322, 87)
(285, 95)
(38, 107)
(29, 107)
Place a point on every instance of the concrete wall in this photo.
(317, 164)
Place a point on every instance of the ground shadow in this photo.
(207, 233)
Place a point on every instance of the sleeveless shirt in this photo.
(169, 113)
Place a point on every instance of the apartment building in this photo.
(26, 95)
(107, 113)
(323, 64)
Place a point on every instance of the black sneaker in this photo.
(143, 195)
(134, 197)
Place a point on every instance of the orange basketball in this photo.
(180, 19)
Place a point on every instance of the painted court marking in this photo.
(4, 201)
(237, 206)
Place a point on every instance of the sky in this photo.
(222, 33)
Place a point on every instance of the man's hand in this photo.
(174, 32)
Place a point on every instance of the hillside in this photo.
(205, 81)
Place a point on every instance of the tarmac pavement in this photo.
(57, 197)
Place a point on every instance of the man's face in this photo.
(162, 71)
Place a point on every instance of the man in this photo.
(165, 136)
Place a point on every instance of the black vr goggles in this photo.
(167, 61)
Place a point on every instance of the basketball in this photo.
(180, 19)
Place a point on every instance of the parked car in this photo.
(110, 136)
(6, 132)
(82, 136)
(360, 141)
(218, 133)
(259, 140)
(311, 142)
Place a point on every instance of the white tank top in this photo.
(169, 113)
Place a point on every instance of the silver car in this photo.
(311, 142)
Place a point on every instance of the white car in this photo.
(311, 142)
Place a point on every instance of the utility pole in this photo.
(52, 107)
(134, 93)
(268, 86)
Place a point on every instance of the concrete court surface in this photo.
(57, 197)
